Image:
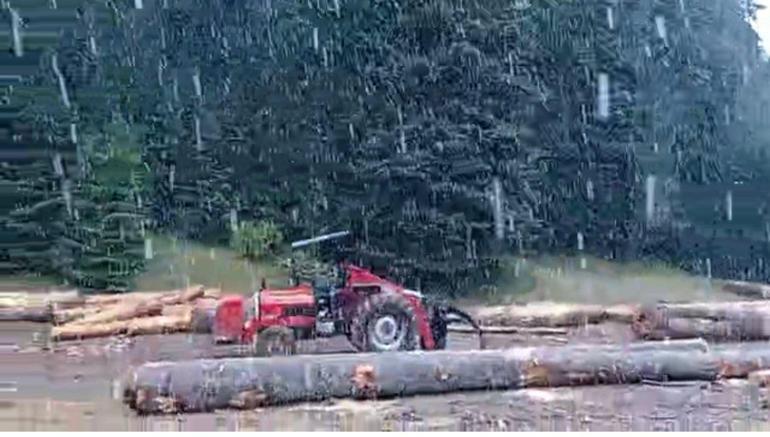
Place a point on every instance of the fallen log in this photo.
(723, 321)
(739, 360)
(751, 290)
(750, 327)
(74, 331)
(184, 296)
(160, 325)
(130, 327)
(465, 329)
(62, 316)
(25, 314)
(11, 299)
(172, 297)
(247, 383)
(123, 311)
(112, 299)
(703, 310)
(203, 316)
(540, 314)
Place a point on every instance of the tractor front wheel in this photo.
(384, 322)
(275, 341)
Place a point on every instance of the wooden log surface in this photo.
(203, 385)
(753, 290)
(704, 310)
(746, 328)
(551, 314)
(123, 311)
(718, 321)
(62, 316)
(26, 314)
(130, 327)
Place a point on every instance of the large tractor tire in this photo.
(384, 322)
(275, 341)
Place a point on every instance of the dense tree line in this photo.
(445, 133)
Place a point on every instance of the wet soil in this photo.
(76, 386)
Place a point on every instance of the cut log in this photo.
(465, 329)
(184, 296)
(751, 290)
(749, 327)
(25, 314)
(172, 296)
(540, 314)
(132, 327)
(110, 300)
(37, 300)
(177, 310)
(123, 311)
(161, 324)
(74, 331)
(72, 314)
(739, 360)
(203, 316)
(760, 378)
(704, 310)
(724, 321)
(247, 383)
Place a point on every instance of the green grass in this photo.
(563, 279)
(181, 263)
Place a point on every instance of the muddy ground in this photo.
(76, 387)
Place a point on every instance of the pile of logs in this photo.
(140, 313)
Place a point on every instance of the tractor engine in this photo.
(327, 310)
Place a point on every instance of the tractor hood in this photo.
(301, 295)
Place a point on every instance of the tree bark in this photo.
(739, 360)
(63, 316)
(247, 383)
(704, 310)
(22, 314)
(718, 321)
(123, 311)
(747, 328)
(131, 327)
(552, 314)
(752, 290)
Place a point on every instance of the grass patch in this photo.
(177, 263)
(597, 281)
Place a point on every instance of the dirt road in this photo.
(76, 387)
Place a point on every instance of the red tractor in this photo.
(375, 314)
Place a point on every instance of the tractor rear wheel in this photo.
(384, 322)
(275, 341)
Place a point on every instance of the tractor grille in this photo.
(299, 311)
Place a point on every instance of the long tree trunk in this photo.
(551, 314)
(746, 328)
(203, 385)
(719, 321)
(752, 290)
(131, 327)
(21, 314)
(120, 311)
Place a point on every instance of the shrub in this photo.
(257, 240)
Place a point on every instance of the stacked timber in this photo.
(140, 313)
